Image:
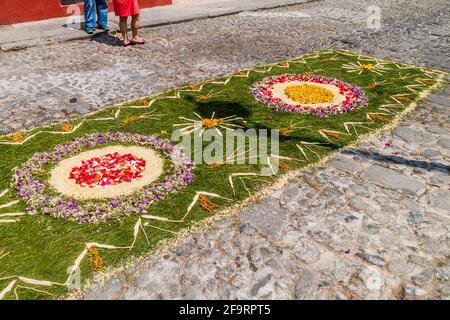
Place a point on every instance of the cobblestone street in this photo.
(43, 84)
(371, 223)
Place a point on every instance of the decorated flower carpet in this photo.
(86, 195)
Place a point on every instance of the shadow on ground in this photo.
(106, 38)
(427, 165)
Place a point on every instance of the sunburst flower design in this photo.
(213, 122)
(359, 67)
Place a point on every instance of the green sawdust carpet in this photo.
(37, 249)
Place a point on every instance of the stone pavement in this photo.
(372, 223)
(24, 35)
(57, 82)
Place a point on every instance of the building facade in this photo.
(15, 11)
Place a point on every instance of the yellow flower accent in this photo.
(164, 132)
(67, 127)
(17, 137)
(206, 205)
(194, 87)
(425, 81)
(130, 119)
(377, 117)
(95, 260)
(309, 94)
(331, 134)
(202, 98)
(203, 124)
(211, 123)
(404, 99)
(284, 131)
(141, 102)
(283, 166)
(329, 59)
(206, 97)
(372, 85)
(377, 68)
(366, 67)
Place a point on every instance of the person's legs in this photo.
(102, 11)
(135, 29)
(135, 25)
(90, 17)
(124, 29)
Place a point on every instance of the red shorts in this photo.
(126, 8)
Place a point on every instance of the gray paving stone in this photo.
(412, 292)
(418, 260)
(266, 219)
(112, 288)
(304, 284)
(440, 199)
(411, 135)
(394, 180)
(372, 258)
(400, 268)
(345, 164)
(433, 246)
(443, 273)
(445, 291)
(444, 143)
(260, 283)
(425, 277)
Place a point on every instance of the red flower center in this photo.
(108, 170)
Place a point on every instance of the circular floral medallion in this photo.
(309, 94)
(120, 174)
(106, 172)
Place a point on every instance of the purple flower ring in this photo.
(315, 95)
(35, 188)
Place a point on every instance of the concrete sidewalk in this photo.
(23, 35)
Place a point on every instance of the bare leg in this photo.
(124, 29)
(135, 28)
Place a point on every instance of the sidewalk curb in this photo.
(229, 13)
(207, 13)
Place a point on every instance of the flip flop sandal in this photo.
(126, 44)
(137, 42)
